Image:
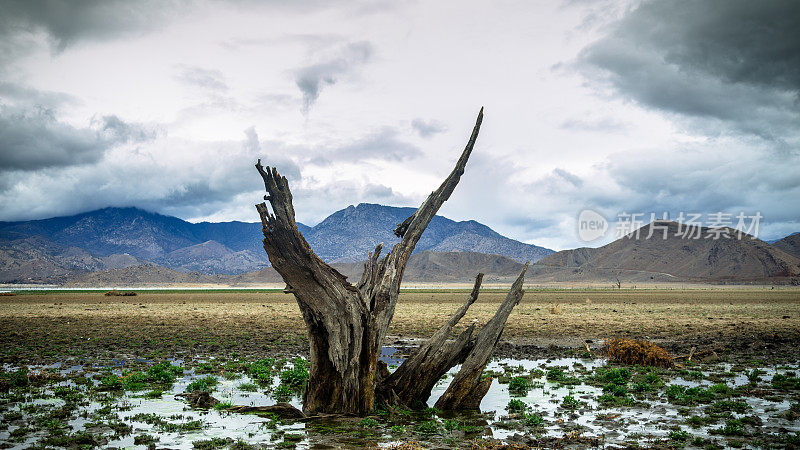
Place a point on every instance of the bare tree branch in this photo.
(413, 381)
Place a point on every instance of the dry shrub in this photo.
(555, 309)
(630, 351)
(409, 445)
(40, 378)
(116, 293)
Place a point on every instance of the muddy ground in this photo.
(122, 364)
(52, 327)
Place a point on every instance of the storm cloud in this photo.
(736, 62)
(32, 139)
(66, 22)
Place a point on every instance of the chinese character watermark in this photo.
(687, 225)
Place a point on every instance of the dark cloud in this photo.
(726, 176)
(222, 173)
(312, 78)
(736, 62)
(209, 178)
(68, 21)
(33, 138)
(28, 97)
(427, 128)
(203, 78)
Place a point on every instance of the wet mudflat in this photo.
(575, 402)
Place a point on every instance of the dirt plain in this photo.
(88, 326)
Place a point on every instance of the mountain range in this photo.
(427, 266)
(56, 249)
(631, 259)
(130, 246)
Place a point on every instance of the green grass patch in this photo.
(557, 375)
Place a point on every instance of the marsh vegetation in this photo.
(82, 369)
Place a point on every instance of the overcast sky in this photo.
(677, 106)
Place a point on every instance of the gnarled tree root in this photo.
(202, 399)
(283, 410)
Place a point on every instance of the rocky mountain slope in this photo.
(422, 267)
(147, 274)
(790, 244)
(639, 259)
(350, 234)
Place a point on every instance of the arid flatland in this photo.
(85, 326)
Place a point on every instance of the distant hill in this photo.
(347, 235)
(422, 267)
(640, 259)
(790, 244)
(36, 259)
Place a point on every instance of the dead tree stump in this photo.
(347, 323)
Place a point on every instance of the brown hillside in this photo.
(675, 258)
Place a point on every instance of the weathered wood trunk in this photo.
(347, 324)
(413, 381)
(469, 385)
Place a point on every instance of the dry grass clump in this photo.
(631, 351)
(116, 293)
(555, 309)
